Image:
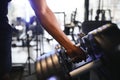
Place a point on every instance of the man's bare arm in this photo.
(49, 22)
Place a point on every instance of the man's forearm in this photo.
(50, 24)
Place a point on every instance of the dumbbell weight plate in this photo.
(49, 65)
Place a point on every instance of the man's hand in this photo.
(76, 54)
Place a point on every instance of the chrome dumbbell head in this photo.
(50, 66)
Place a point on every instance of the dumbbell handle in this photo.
(85, 68)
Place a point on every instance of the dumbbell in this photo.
(102, 42)
(52, 67)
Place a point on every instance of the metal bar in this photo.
(85, 68)
(86, 17)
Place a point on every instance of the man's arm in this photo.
(50, 24)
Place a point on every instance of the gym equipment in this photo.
(69, 29)
(88, 26)
(29, 58)
(103, 43)
(102, 46)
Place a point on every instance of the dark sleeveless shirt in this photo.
(3, 10)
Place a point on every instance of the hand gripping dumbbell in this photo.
(53, 65)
